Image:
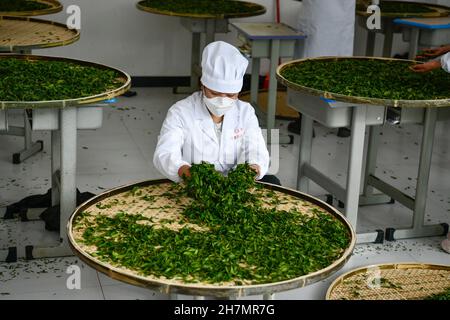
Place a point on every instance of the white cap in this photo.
(223, 67)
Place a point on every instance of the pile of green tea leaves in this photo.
(21, 5)
(22, 80)
(214, 7)
(440, 296)
(242, 242)
(379, 79)
(398, 7)
(389, 7)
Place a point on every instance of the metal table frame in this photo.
(272, 41)
(361, 118)
(63, 161)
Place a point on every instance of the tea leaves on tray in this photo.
(240, 241)
(379, 79)
(21, 5)
(22, 80)
(214, 7)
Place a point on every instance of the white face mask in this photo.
(219, 105)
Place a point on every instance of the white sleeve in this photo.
(168, 154)
(255, 149)
(445, 62)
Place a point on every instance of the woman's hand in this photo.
(426, 67)
(432, 53)
(256, 168)
(184, 171)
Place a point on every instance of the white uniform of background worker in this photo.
(330, 29)
(212, 125)
(442, 62)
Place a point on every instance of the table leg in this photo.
(272, 99)
(388, 39)
(210, 31)
(195, 65)
(305, 150)
(55, 167)
(368, 197)
(30, 147)
(68, 155)
(370, 45)
(414, 43)
(254, 84)
(355, 164)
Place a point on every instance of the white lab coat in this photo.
(188, 136)
(329, 26)
(445, 61)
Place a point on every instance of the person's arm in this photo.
(426, 67)
(255, 151)
(168, 157)
(445, 62)
(435, 52)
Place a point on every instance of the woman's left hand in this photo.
(426, 67)
(256, 168)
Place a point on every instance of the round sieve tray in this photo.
(256, 9)
(396, 281)
(54, 7)
(438, 10)
(130, 202)
(23, 33)
(123, 77)
(352, 99)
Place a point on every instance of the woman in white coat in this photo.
(444, 63)
(330, 29)
(212, 125)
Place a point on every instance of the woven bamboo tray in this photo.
(129, 203)
(439, 11)
(124, 78)
(400, 281)
(23, 33)
(55, 6)
(257, 10)
(358, 100)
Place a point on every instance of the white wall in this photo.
(116, 33)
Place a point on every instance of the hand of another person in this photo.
(184, 171)
(426, 67)
(434, 52)
(256, 168)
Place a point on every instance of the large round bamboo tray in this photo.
(54, 7)
(23, 33)
(170, 286)
(439, 10)
(398, 281)
(124, 78)
(358, 100)
(257, 9)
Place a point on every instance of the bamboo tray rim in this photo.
(259, 10)
(384, 266)
(75, 34)
(56, 7)
(67, 102)
(441, 11)
(208, 290)
(354, 99)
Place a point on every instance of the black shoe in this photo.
(295, 126)
(344, 132)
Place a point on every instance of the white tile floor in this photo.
(121, 152)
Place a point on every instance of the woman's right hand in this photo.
(184, 171)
